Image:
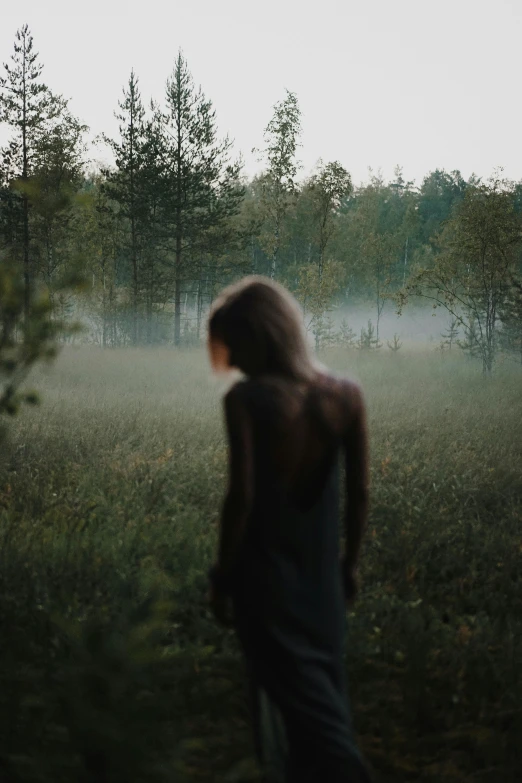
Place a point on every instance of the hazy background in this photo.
(111, 490)
(426, 85)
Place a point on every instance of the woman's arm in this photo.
(238, 500)
(355, 443)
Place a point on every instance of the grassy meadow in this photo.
(111, 667)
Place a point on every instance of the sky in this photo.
(380, 82)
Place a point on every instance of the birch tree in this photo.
(278, 184)
(471, 276)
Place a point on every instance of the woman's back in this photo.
(297, 431)
(287, 438)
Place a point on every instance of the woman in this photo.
(278, 573)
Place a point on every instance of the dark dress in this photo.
(280, 562)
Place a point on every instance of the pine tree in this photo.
(471, 342)
(57, 178)
(324, 333)
(125, 183)
(395, 345)
(451, 334)
(28, 107)
(347, 335)
(202, 189)
(368, 339)
(156, 281)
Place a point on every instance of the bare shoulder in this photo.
(237, 394)
(246, 396)
(347, 391)
(341, 401)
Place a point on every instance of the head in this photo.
(256, 326)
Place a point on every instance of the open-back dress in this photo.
(279, 558)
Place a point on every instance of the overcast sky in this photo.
(380, 82)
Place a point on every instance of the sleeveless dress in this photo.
(287, 590)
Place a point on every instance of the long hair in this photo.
(261, 324)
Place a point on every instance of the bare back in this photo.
(285, 439)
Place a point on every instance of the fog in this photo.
(115, 459)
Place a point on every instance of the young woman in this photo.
(279, 576)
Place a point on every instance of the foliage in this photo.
(347, 336)
(24, 340)
(325, 334)
(278, 184)
(378, 233)
(202, 187)
(471, 342)
(128, 186)
(439, 194)
(368, 339)
(479, 250)
(511, 318)
(449, 337)
(38, 165)
(315, 290)
(328, 186)
(168, 224)
(395, 345)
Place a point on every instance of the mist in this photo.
(130, 198)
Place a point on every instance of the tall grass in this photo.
(111, 668)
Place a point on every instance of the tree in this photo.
(100, 242)
(451, 334)
(27, 336)
(27, 106)
(439, 193)
(395, 345)
(58, 171)
(368, 340)
(511, 318)
(315, 292)
(315, 216)
(202, 189)
(328, 186)
(155, 279)
(278, 182)
(478, 251)
(377, 243)
(125, 183)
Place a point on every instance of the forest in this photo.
(113, 455)
(157, 234)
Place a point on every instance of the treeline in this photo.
(159, 232)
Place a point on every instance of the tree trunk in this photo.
(199, 301)
(150, 302)
(177, 292)
(405, 260)
(273, 265)
(179, 233)
(25, 200)
(379, 310)
(134, 253)
(27, 268)
(253, 249)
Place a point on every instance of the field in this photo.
(111, 667)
